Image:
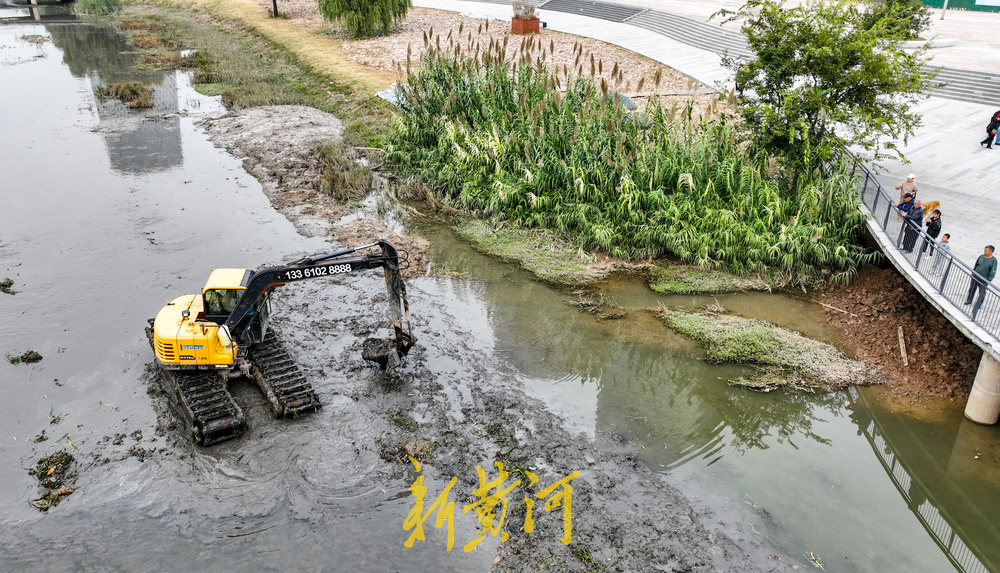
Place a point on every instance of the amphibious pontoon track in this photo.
(207, 405)
(209, 409)
(280, 378)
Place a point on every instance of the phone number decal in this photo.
(316, 272)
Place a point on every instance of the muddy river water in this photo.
(106, 214)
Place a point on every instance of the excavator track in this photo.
(212, 413)
(206, 405)
(280, 378)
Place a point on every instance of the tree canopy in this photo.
(906, 18)
(365, 18)
(824, 78)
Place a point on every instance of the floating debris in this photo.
(53, 473)
(29, 357)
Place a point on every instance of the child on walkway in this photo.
(943, 248)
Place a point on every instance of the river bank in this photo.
(458, 411)
(940, 371)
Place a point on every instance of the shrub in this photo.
(500, 139)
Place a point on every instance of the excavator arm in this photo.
(385, 352)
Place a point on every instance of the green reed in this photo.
(506, 137)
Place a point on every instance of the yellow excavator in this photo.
(201, 340)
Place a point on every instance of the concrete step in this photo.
(691, 31)
(967, 97)
(967, 85)
(601, 10)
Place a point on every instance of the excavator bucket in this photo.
(381, 351)
(388, 352)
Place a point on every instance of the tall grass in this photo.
(132, 94)
(98, 7)
(494, 133)
(247, 68)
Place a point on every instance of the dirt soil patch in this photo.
(390, 52)
(361, 231)
(279, 144)
(942, 361)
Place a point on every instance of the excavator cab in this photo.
(222, 292)
(188, 332)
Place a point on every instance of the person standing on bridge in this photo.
(944, 248)
(933, 229)
(907, 186)
(982, 273)
(906, 204)
(911, 228)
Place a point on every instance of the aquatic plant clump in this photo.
(540, 251)
(504, 140)
(132, 94)
(690, 279)
(54, 474)
(786, 358)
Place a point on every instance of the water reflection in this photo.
(631, 383)
(948, 499)
(11, 12)
(94, 47)
(137, 141)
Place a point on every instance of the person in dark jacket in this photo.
(912, 223)
(983, 272)
(991, 131)
(933, 229)
(906, 204)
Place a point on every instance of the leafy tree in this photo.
(906, 19)
(821, 81)
(365, 18)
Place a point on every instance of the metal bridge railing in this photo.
(948, 275)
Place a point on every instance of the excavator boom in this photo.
(264, 281)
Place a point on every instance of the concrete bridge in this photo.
(944, 153)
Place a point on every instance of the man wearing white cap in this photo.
(907, 186)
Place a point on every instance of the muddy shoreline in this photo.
(500, 423)
(624, 516)
(330, 489)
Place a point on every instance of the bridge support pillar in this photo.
(984, 400)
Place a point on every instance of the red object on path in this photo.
(519, 26)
